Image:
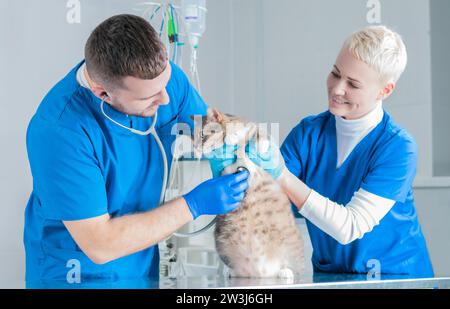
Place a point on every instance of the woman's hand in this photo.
(270, 160)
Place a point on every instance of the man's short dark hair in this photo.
(124, 45)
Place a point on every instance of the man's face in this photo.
(141, 97)
(354, 88)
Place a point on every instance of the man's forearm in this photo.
(296, 190)
(132, 233)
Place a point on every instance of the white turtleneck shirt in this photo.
(350, 132)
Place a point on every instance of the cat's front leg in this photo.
(287, 275)
(227, 272)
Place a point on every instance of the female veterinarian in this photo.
(350, 169)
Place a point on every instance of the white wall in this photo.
(433, 208)
(266, 60)
(440, 45)
(282, 52)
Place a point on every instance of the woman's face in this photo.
(354, 88)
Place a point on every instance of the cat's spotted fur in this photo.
(260, 238)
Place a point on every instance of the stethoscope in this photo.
(152, 131)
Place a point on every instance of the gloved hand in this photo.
(271, 161)
(220, 158)
(217, 196)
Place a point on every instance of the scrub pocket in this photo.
(55, 265)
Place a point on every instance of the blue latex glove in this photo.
(217, 196)
(220, 158)
(272, 161)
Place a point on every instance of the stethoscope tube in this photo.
(152, 131)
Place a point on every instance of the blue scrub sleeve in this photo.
(290, 150)
(67, 179)
(392, 172)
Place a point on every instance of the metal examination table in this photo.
(308, 281)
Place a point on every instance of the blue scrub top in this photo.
(383, 163)
(85, 166)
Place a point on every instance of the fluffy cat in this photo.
(260, 239)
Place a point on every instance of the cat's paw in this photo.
(263, 146)
(287, 275)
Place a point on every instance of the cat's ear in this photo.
(215, 115)
(210, 112)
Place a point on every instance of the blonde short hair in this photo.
(380, 48)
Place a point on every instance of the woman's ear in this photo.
(386, 91)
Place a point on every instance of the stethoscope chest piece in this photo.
(241, 169)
